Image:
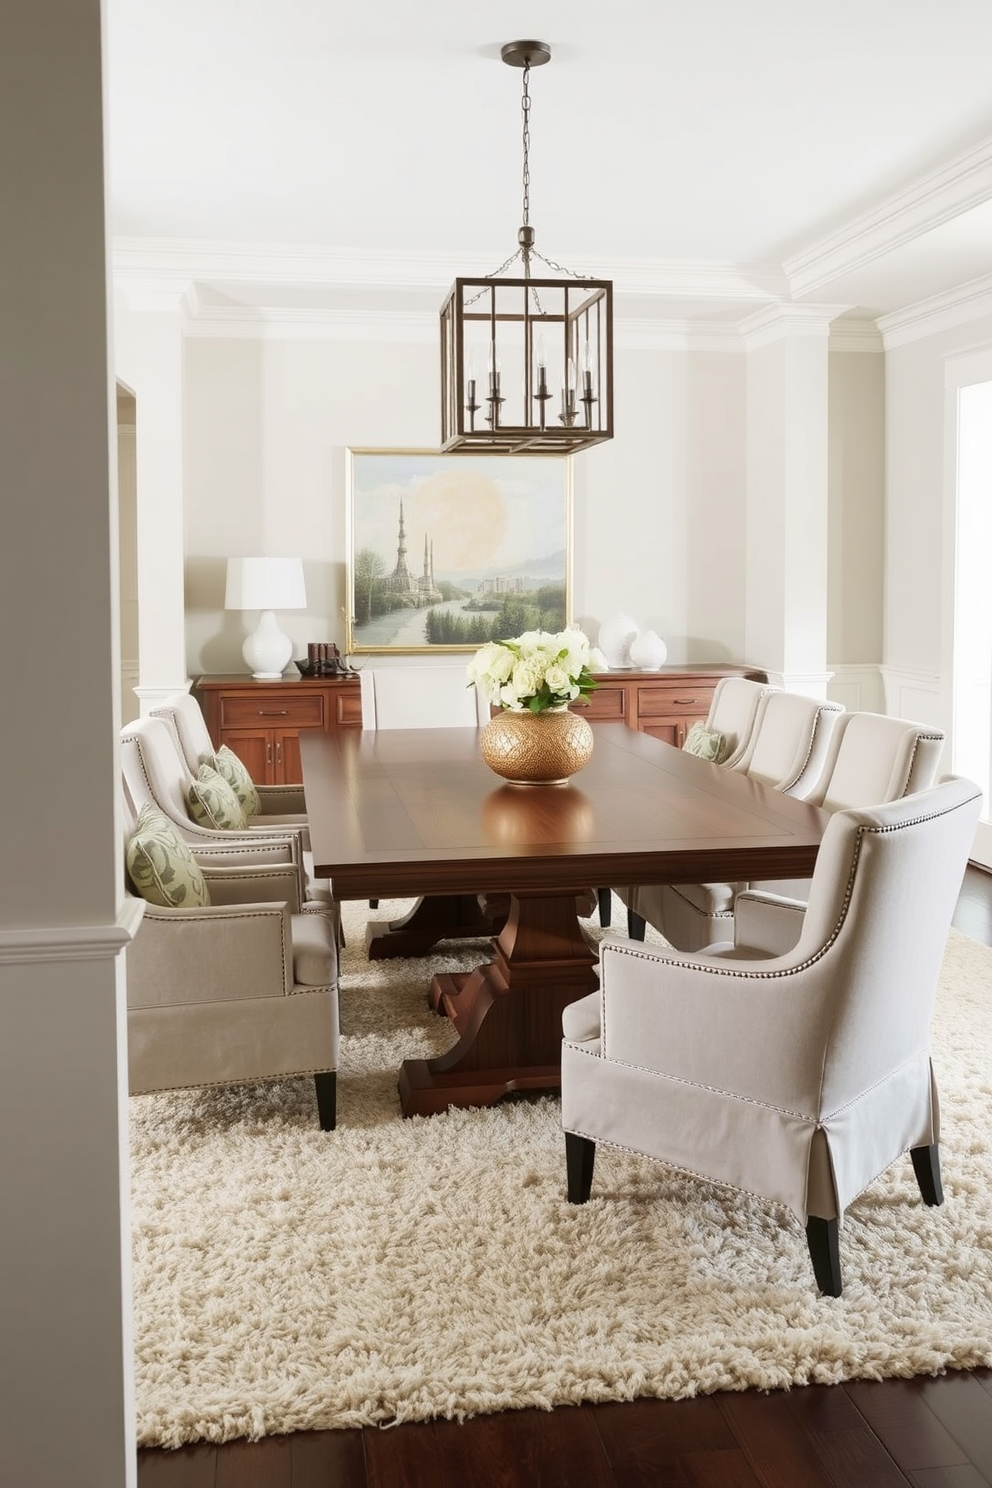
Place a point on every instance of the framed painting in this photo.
(446, 552)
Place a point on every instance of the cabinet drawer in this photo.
(301, 710)
(606, 702)
(669, 698)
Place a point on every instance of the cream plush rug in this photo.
(287, 1278)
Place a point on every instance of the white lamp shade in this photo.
(265, 584)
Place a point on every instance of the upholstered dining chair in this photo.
(278, 805)
(155, 772)
(872, 757)
(427, 696)
(731, 719)
(227, 981)
(797, 1078)
(787, 750)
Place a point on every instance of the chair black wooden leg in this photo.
(636, 927)
(327, 1099)
(373, 904)
(580, 1155)
(823, 1239)
(926, 1166)
(605, 897)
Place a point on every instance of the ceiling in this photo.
(708, 155)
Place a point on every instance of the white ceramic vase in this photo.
(648, 651)
(615, 636)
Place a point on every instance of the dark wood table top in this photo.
(403, 812)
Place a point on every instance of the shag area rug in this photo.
(286, 1278)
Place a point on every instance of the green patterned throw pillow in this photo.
(707, 743)
(213, 803)
(230, 768)
(161, 865)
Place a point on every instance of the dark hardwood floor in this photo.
(927, 1432)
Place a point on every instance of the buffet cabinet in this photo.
(261, 720)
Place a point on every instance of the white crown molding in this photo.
(775, 322)
(856, 335)
(167, 266)
(47, 943)
(958, 186)
(939, 313)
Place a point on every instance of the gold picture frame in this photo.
(444, 550)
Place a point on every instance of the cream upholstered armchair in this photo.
(731, 719)
(227, 981)
(800, 1077)
(155, 773)
(872, 757)
(734, 713)
(420, 697)
(787, 750)
(277, 804)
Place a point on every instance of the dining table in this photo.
(417, 813)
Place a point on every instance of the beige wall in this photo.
(658, 511)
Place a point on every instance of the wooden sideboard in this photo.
(261, 721)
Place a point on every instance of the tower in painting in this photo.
(415, 591)
(401, 581)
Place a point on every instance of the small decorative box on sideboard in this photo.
(261, 721)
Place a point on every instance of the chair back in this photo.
(421, 697)
(155, 771)
(183, 712)
(874, 758)
(789, 743)
(733, 711)
(880, 907)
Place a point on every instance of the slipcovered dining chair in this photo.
(278, 805)
(797, 1078)
(420, 697)
(787, 750)
(155, 773)
(872, 757)
(728, 726)
(227, 981)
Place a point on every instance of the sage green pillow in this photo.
(161, 865)
(230, 768)
(213, 803)
(707, 743)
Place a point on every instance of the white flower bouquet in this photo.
(537, 670)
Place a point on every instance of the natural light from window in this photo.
(973, 591)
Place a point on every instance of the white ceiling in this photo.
(703, 153)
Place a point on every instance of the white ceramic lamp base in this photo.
(268, 650)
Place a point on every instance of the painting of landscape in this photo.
(446, 552)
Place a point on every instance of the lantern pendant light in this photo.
(527, 363)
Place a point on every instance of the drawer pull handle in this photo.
(684, 702)
(272, 712)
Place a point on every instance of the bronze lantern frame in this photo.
(527, 363)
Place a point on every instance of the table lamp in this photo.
(266, 584)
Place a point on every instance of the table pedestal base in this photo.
(507, 1013)
(433, 918)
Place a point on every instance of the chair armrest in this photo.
(281, 799)
(217, 953)
(254, 883)
(767, 922)
(248, 850)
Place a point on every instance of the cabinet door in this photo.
(254, 749)
(670, 730)
(288, 767)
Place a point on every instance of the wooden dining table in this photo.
(417, 813)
